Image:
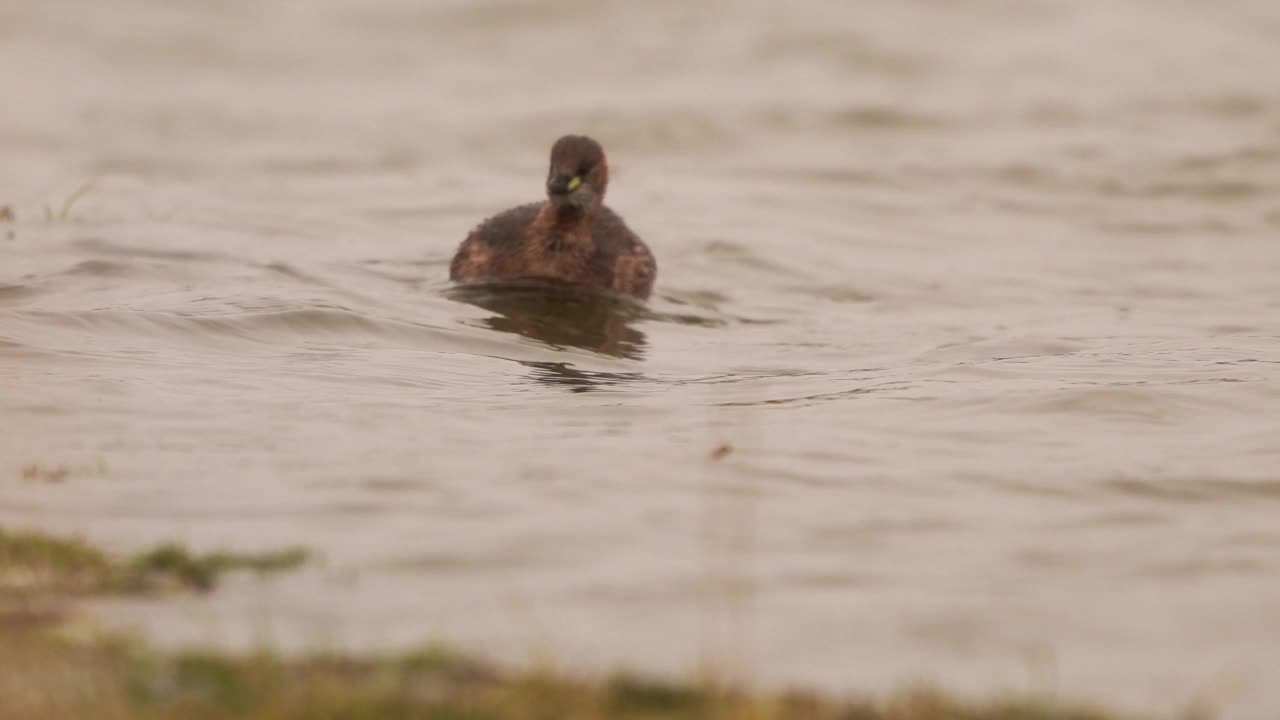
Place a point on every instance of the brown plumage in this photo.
(571, 238)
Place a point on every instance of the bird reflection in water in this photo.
(562, 316)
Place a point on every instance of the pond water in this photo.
(962, 364)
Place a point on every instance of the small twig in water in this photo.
(51, 474)
(721, 451)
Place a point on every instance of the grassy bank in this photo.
(47, 674)
(47, 678)
(35, 565)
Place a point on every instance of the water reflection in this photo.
(559, 315)
(566, 376)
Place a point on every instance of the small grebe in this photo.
(571, 238)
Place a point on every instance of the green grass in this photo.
(64, 213)
(48, 678)
(52, 212)
(46, 673)
(201, 572)
(37, 565)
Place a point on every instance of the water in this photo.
(982, 295)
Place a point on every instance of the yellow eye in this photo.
(574, 183)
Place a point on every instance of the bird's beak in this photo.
(563, 184)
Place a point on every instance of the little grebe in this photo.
(571, 238)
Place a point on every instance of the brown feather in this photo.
(557, 240)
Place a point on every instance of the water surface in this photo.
(982, 294)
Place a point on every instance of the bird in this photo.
(570, 238)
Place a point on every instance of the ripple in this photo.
(748, 257)
(15, 293)
(13, 348)
(1239, 158)
(1221, 189)
(574, 379)
(1183, 570)
(868, 118)
(1194, 489)
(708, 300)
(278, 327)
(109, 247)
(833, 293)
(842, 47)
(101, 268)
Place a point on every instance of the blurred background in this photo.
(980, 298)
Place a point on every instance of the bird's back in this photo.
(506, 247)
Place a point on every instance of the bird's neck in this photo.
(567, 216)
(566, 227)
